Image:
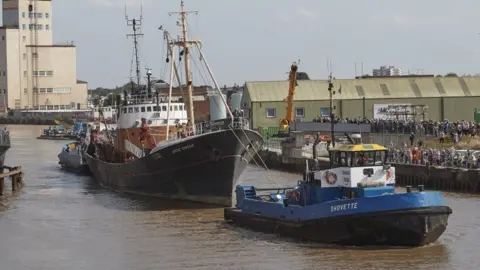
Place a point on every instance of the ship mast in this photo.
(136, 26)
(184, 43)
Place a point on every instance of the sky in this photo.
(258, 40)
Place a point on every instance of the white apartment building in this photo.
(36, 74)
(387, 71)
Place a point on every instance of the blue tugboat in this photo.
(352, 203)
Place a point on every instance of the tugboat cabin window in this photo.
(156, 108)
(175, 108)
(171, 108)
(137, 110)
(149, 109)
(124, 110)
(164, 108)
(181, 107)
(142, 109)
(130, 110)
(341, 159)
(370, 158)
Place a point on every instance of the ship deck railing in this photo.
(205, 128)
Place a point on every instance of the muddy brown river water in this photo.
(64, 221)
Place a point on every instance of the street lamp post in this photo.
(332, 92)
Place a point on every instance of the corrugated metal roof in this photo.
(374, 88)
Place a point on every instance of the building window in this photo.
(24, 74)
(62, 90)
(47, 15)
(39, 15)
(271, 112)
(324, 112)
(30, 15)
(25, 91)
(49, 90)
(42, 73)
(47, 27)
(31, 26)
(23, 14)
(24, 38)
(34, 55)
(299, 112)
(39, 27)
(24, 26)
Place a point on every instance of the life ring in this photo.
(331, 178)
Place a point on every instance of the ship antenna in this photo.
(185, 44)
(332, 92)
(136, 25)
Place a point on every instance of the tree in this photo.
(451, 74)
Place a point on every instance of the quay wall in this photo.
(433, 178)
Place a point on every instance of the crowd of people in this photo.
(407, 126)
(414, 151)
(444, 157)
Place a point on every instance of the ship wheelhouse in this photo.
(355, 165)
(358, 155)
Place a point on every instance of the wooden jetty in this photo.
(15, 174)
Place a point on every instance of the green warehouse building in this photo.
(429, 97)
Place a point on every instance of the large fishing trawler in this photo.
(159, 150)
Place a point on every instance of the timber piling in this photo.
(16, 176)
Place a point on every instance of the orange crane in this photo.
(285, 122)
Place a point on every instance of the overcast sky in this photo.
(257, 40)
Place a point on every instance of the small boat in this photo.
(57, 133)
(354, 202)
(71, 158)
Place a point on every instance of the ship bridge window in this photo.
(345, 159)
(164, 108)
(156, 108)
(124, 110)
(142, 109)
(175, 108)
(137, 109)
(130, 110)
(180, 107)
(149, 109)
(370, 158)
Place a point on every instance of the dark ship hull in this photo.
(202, 168)
(408, 228)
